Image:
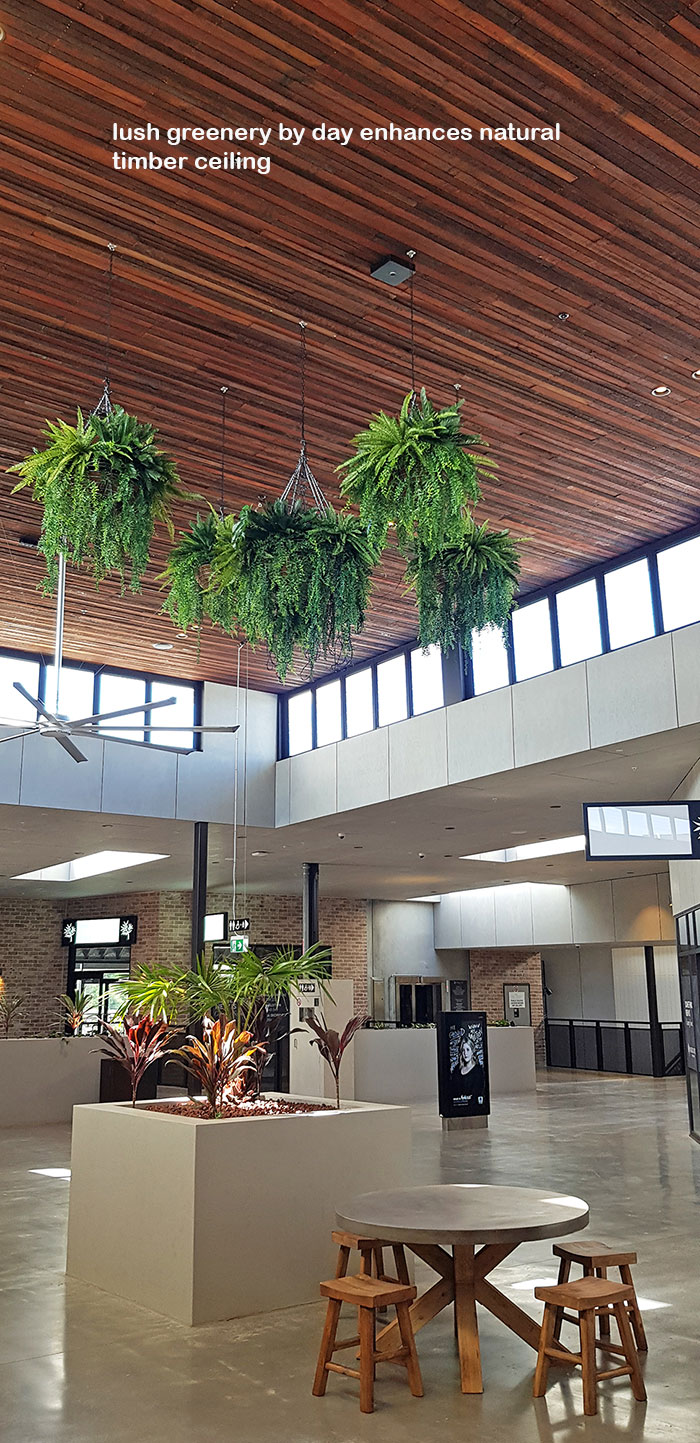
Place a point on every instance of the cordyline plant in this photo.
(237, 992)
(137, 1042)
(298, 578)
(220, 1061)
(465, 587)
(76, 1010)
(417, 471)
(332, 1045)
(103, 484)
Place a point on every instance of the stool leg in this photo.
(412, 1365)
(400, 1263)
(546, 1339)
(605, 1316)
(367, 1363)
(564, 1274)
(587, 1329)
(634, 1312)
(636, 1379)
(343, 1260)
(326, 1350)
(366, 1259)
(379, 1262)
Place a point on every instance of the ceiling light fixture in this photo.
(695, 375)
(91, 866)
(253, 854)
(162, 645)
(661, 391)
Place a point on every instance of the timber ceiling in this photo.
(214, 270)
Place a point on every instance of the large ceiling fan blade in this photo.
(28, 732)
(100, 717)
(128, 742)
(34, 701)
(63, 741)
(179, 728)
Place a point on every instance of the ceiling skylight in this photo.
(529, 850)
(90, 866)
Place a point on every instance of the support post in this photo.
(199, 889)
(310, 905)
(658, 1066)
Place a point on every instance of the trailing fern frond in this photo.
(190, 600)
(466, 587)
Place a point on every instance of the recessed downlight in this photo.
(695, 375)
(162, 645)
(661, 391)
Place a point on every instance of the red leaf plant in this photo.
(135, 1044)
(332, 1044)
(220, 1060)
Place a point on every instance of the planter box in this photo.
(42, 1078)
(203, 1220)
(399, 1064)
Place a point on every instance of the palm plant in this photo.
(219, 1061)
(134, 1044)
(9, 1009)
(76, 1010)
(416, 471)
(238, 992)
(103, 484)
(332, 1045)
(464, 587)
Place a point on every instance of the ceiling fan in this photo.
(61, 730)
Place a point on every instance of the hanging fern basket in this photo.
(103, 484)
(416, 471)
(187, 577)
(300, 578)
(465, 587)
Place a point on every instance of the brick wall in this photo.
(489, 971)
(34, 964)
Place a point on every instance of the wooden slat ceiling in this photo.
(214, 270)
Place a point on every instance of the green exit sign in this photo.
(239, 944)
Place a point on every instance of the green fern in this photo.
(415, 471)
(466, 587)
(103, 484)
(300, 579)
(190, 601)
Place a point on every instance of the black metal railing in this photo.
(598, 1046)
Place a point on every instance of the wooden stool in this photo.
(587, 1298)
(371, 1252)
(595, 1259)
(367, 1295)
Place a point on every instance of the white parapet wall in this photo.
(43, 1078)
(399, 1064)
(207, 1220)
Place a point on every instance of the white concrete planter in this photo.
(42, 1078)
(399, 1064)
(206, 1220)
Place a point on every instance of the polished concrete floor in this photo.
(77, 1366)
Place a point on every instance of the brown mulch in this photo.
(259, 1107)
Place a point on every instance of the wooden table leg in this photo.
(465, 1314)
(425, 1308)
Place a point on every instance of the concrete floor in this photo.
(77, 1366)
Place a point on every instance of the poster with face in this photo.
(463, 1071)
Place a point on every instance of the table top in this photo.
(463, 1213)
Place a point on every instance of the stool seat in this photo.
(585, 1293)
(366, 1292)
(356, 1241)
(597, 1255)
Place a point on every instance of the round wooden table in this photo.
(481, 1225)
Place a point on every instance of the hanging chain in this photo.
(413, 336)
(302, 482)
(224, 394)
(104, 405)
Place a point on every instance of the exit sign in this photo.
(239, 944)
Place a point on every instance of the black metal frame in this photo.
(688, 946)
(465, 690)
(97, 672)
(675, 1068)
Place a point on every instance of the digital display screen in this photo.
(463, 1074)
(622, 830)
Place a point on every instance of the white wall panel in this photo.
(636, 909)
(686, 657)
(313, 784)
(363, 769)
(668, 992)
(50, 778)
(447, 917)
(10, 767)
(631, 692)
(283, 773)
(480, 736)
(418, 753)
(479, 917)
(514, 915)
(629, 982)
(139, 781)
(550, 716)
(551, 914)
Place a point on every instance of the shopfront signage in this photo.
(656, 831)
(463, 1064)
(98, 931)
